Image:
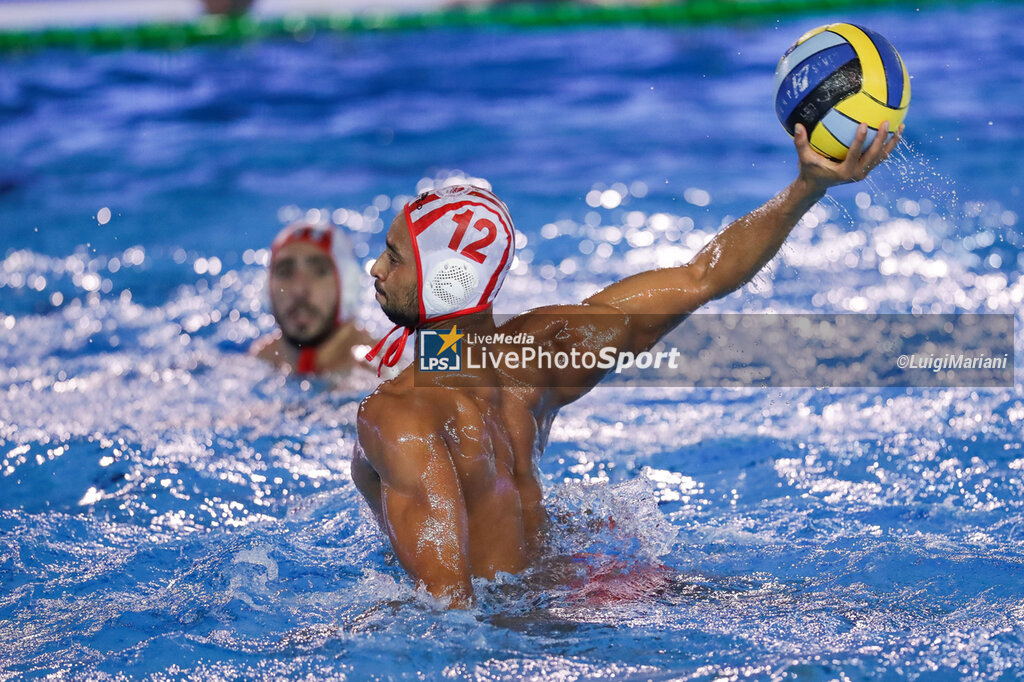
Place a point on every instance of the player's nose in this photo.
(301, 285)
(378, 271)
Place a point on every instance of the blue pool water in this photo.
(171, 508)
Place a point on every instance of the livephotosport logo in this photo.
(440, 352)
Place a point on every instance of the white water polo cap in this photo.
(463, 240)
(338, 248)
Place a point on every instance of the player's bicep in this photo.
(366, 479)
(570, 339)
(668, 291)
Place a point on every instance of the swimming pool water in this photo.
(171, 508)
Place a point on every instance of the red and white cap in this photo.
(338, 248)
(463, 240)
(347, 274)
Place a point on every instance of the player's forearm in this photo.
(431, 542)
(441, 579)
(726, 263)
(438, 564)
(739, 251)
(658, 300)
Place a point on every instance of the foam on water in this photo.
(173, 505)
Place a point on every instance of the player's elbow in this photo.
(459, 599)
(699, 282)
(454, 594)
(461, 603)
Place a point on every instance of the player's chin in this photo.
(304, 333)
(397, 315)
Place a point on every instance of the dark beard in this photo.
(314, 342)
(399, 315)
(401, 318)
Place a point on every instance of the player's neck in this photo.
(480, 323)
(325, 342)
(295, 347)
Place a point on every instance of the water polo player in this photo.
(448, 462)
(313, 286)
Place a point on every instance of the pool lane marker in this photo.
(220, 29)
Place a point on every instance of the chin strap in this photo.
(307, 361)
(394, 351)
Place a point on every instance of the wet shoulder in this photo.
(398, 429)
(399, 411)
(396, 409)
(557, 324)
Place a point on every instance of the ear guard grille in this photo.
(450, 285)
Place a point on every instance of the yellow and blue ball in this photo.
(836, 77)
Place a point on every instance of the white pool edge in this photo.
(39, 14)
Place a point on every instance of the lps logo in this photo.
(440, 352)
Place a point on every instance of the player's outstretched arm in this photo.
(634, 313)
(739, 251)
(422, 507)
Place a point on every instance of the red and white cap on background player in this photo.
(463, 240)
(347, 273)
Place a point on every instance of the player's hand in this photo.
(821, 173)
